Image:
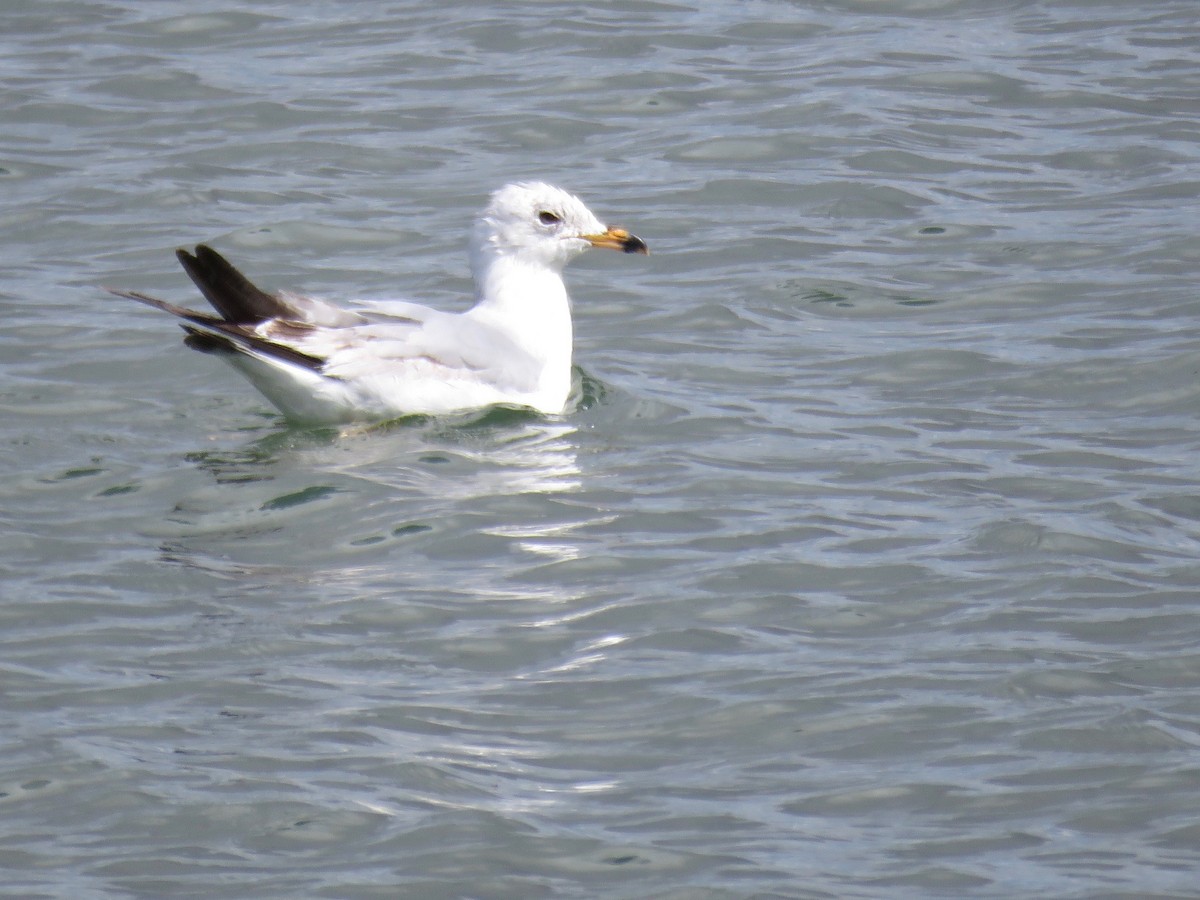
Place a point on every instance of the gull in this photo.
(324, 364)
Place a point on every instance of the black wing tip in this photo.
(207, 342)
(241, 304)
(200, 255)
(207, 254)
(230, 292)
(227, 339)
(132, 295)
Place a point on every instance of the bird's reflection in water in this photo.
(333, 504)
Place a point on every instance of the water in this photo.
(867, 567)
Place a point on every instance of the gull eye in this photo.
(548, 218)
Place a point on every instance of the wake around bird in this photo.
(323, 364)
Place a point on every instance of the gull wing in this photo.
(453, 344)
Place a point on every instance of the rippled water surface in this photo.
(868, 565)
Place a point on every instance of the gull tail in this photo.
(242, 306)
(229, 291)
(210, 334)
(262, 336)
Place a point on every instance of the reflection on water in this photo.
(327, 502)
(508, 450)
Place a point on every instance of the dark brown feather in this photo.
(238, 340)
(227, 289)
(233, 337)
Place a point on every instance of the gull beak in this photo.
(614, 238)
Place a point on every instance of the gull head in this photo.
(539, 224)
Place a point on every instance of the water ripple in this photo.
(865, 566)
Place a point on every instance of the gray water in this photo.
(868, 566)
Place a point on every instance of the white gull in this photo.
(324, 364)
